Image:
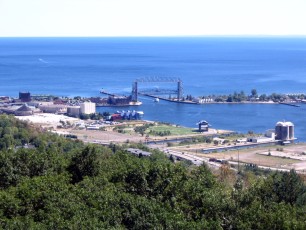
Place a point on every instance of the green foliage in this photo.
(142, 129)
(84, 116)
(254, 93)
(163, 129)
(95, 116)
(242, 97)
(14, 132)
(64, 184)
(160, 133)
(198, 139)
(84, 163)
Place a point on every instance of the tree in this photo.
(263, 97)
(288, 186)
(84, 163)
(254, 93)
(230, 98)
(242, 96)
(84, 116)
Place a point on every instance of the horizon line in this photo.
(173, 36)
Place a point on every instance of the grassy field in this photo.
(173, 129)
(270, 160)
(250, 156)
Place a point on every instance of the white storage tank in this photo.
(88, 107)
(284, 131)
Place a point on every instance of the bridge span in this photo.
(177, 90)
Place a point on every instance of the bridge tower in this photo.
(135, 91)
(179, 90)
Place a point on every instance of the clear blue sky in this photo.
(151, 17)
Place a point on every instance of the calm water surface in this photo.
(82, 66)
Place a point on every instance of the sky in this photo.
(99, 18)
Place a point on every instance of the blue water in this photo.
(82, 66)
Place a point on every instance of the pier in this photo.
(109, 94)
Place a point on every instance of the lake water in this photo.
(83, 66)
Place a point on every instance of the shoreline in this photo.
(224, 102)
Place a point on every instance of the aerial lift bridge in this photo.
(178, 90)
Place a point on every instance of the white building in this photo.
(270, 133)
(203, 100)
(88, 107)
(260, 139)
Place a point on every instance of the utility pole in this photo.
(238, 163)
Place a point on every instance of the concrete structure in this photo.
(73, 111)
(284, 131)
(88, 107)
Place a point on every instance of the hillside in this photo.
(49, 182)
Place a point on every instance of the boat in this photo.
(135, 103)
(156, 99)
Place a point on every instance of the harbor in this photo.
(81, 119)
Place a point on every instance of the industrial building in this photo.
(25, 96)
(24, 110)
(260, 139)
(19, 109)
(88, 108)
(119, 100)
(51, 108)
(127, 115)
(270, 133)
(73, 111)
(284, 131)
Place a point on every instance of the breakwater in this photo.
(165, 99)
(289, 104)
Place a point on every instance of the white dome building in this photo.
(284, 131)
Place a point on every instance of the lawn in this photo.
(174, 130)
